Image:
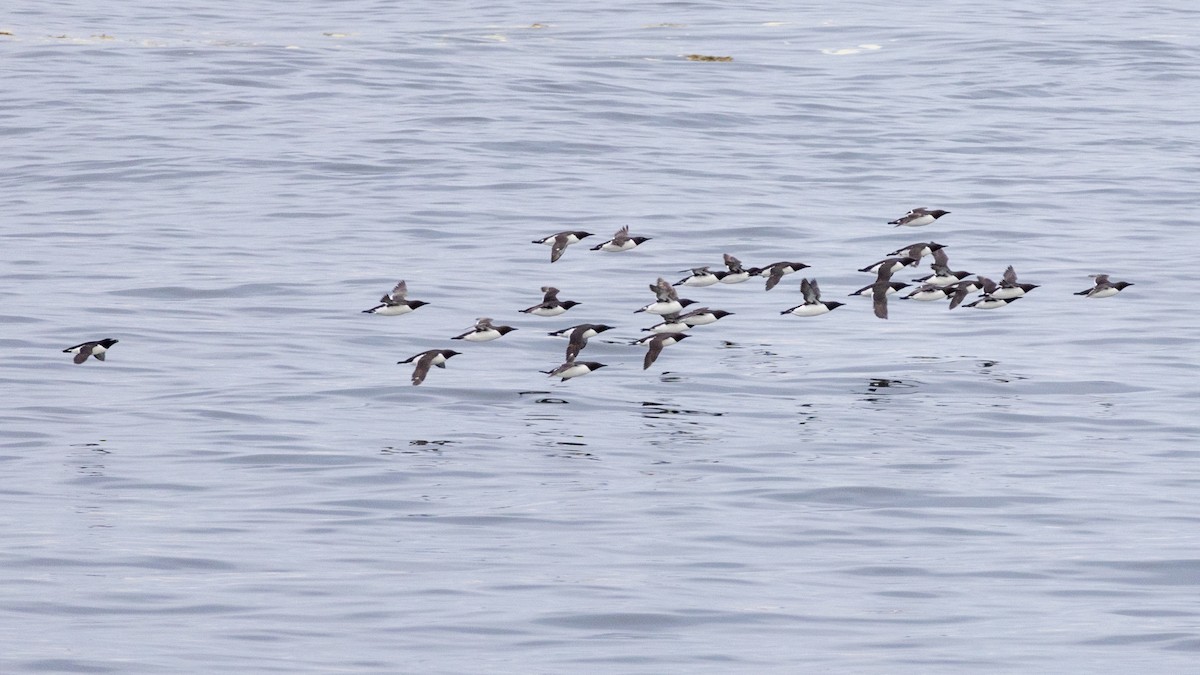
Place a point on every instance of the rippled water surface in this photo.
(249, 483)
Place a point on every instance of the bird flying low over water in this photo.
(677, 323)
(942, 274)
(918, 217)
(700, 277)
(395, 303)
(879, 290)
(892, 287)
(893, 264)
(990, 302)
(655, 344)
(621, 241)
(577, 337)
(879, 293)
(813, 306)
(959, 291)
(667, 300)
(926, 293)
(433, 357)
(1010, 288)
(1104, 288)
(703, 316)
(776, 271)
(671, 323)
(550, 305)
(919, 250)
(95, 348)
(559, 242)
(572, 369)
(484, 331)
(736, 274)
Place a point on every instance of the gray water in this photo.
(250, 484)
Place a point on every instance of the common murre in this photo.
(550, 304)
(484, 331)
(942, 274)
(700, 276)
(1104, 288)
(958, 292)
(671, 323)
(703, 316)
(926, 293)
(776, 271)
(559, 242)
(621, 241)
(1010, 287)
(572, 369)
(577, 336)
(893, 264)
(990, 302)
(95, 348)
(433, 357)
(667, 302)
(812, 301)
(655, 344)
(918, 250)
(869, 289)
(918, 217)
(395, 303)
(736, 274)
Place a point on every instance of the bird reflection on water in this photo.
(417, 447)
(552, 430)
(651, 409)
(668, 424)
(879, 388)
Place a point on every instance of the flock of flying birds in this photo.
(942, 283)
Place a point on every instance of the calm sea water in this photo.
(250, 484)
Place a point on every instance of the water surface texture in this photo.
(250, 483)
